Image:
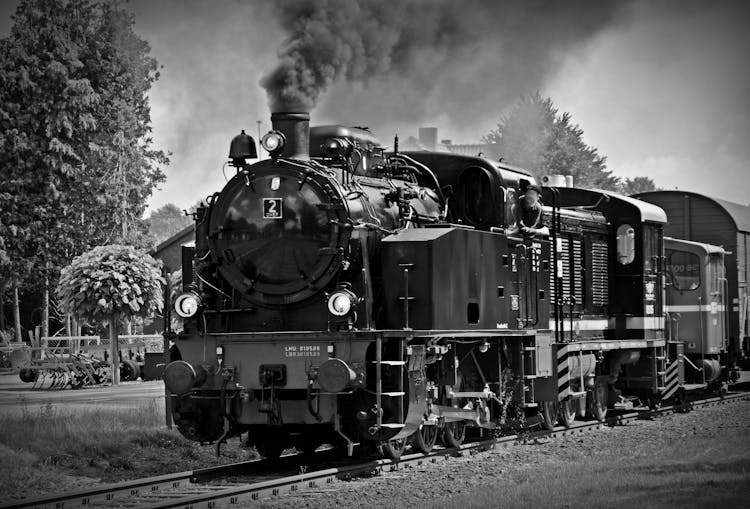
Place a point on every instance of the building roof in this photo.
(186, 235)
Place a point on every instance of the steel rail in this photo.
(116, 491)
(156, 492)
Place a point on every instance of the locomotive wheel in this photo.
(308, 445)
(425, 437)
(128, 370)
(270, 449)
(721, 392)
(549, 410)
(28, 375)
(77, 381)
(654, 402)
(454, 433)
(309, 449)
(581, 407)
(597, 401)
(568, 409)
(392, 448)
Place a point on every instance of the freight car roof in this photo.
(738, 213)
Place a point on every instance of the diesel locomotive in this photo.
(342, 293)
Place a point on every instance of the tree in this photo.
(637, 185)
(75, 147)
(166, 221)
(109, 283)
(536, 137)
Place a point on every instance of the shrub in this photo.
(109, 281)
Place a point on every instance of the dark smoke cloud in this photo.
(660, 88)
(426, 45)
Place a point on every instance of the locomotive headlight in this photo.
(273, 142)
(341, 302)
(187, 304)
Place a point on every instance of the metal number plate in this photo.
(272, 208)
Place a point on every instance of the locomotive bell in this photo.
(241, 148)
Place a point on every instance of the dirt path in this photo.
(15, 394)
(700, 459)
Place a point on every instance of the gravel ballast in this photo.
(698, 459)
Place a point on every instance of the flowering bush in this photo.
(111, 281)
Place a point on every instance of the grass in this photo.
(53, 448)
(714, 472)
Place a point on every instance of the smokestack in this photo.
(296, 129)
(428, 137)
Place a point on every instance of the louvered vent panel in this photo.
(578, 271)
(563, 258)
(599, 280)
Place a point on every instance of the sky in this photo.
(661, 88)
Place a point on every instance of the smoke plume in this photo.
(432, 52)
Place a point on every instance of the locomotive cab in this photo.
(483, 194)
(696, 308)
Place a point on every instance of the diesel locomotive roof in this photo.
(593, 198)
(649, 211)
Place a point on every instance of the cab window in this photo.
(683, 270)
(511, 209)
(477, 196)
(625, 244)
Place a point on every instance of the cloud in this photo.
(658, 87)
(663, 93)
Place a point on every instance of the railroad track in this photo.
(241, 483)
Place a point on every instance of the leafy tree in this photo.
(637, 185)
(535, 136)
(110, 283)
(166, 221)
(75, 148)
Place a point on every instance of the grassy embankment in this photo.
(51, 448)
(702, 468)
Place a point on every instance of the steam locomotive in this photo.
(341, 293)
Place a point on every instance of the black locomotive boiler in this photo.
(344, 294)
